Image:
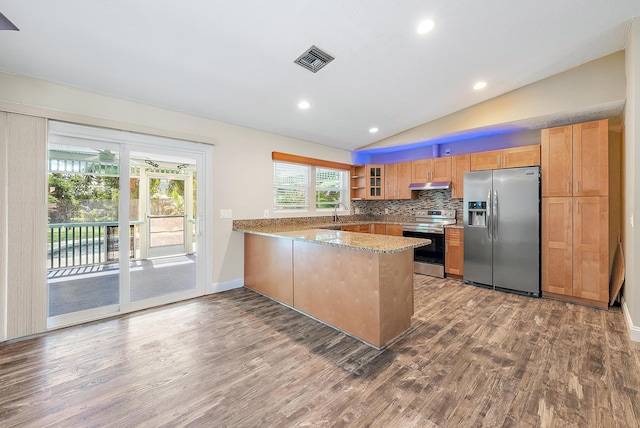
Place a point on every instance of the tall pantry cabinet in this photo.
(576, 210)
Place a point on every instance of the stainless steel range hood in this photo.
(434, 185)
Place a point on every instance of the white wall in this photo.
(632, 204)
(242, 157)
(567, 95)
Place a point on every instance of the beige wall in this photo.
(632, 158)
(242, 168)
(593, 85)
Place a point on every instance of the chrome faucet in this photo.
(335, 210)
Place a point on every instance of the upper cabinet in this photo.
(459, 165)
(375, 182)
(521, 156)
(486, 160)
(575, 160)
(391, 181)
(429, 170)
(591, 158)
(397, 177)
(506, 158)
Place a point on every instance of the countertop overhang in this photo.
(353, 240)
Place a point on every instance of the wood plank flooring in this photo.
(473, 357)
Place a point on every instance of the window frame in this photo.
(312, 189)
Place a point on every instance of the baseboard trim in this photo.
(218, 287)
(634, 332)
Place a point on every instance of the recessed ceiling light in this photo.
(304, 105)
(373, 130)
(425, 26)
(480, 85)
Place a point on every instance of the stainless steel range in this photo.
(429, 224)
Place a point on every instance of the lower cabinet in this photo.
(575, 249)
(454, 251)
(377, 228)
(394, 229)
(362, 228)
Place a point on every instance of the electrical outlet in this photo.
(266, 213)
(447, 151)
(386, 210)
(357, 211)
(226, 213)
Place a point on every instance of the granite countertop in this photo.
(455, 226)
(358, 241)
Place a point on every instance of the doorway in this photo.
(126, 222)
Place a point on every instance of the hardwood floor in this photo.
(472, 357)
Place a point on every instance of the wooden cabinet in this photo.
(361, 228)
(387, 229)
(506, 158)
(521, 156)
(454, 251)
(459, 165)
(591, 248)
(486, 160)
(590, 159)
(358, 182)
(441, 169)
(379, 229)
(557, 246)
(375, 182)
(429, 170)
(575, 213)
(575, 160)
(575, 242)
(557, 163)
(420, 170)
(394, 229)
(397, 177)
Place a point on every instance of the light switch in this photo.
(266, 213)
(226, 213)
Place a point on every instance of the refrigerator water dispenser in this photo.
(477, 214)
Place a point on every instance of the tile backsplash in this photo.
(427, 199)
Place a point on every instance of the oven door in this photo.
(428, 259)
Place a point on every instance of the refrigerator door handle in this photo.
(489, 229)
(495, 214)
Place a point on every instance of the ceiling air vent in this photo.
(314, 59)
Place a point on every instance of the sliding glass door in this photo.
(166, 212)
(83, 237)
(125, 222)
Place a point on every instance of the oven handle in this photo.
(489, 214)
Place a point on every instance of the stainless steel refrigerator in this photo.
(502, 229)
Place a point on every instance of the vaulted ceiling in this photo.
(234, 60)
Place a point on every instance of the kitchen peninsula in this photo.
(359, 283)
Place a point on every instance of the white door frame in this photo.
(125, 143)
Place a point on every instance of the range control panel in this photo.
(437, 213)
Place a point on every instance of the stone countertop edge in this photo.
(373, 243)
(454, 226)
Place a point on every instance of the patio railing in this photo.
(78, 244)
